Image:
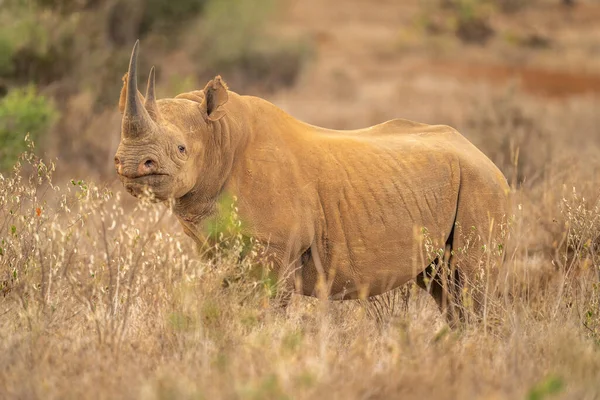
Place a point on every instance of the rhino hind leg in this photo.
(444, 282)
(446, 289)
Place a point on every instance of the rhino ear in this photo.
(123, 97)
(215, 96)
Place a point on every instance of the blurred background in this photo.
(520, 78)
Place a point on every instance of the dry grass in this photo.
(103, 301)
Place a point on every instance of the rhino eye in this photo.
(181, 148)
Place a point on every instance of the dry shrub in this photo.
(99, 300)
(78, 248)
(580, 258)
(508, 130)
(541, 149)
(533, 143)
(471, 19)
(74, 249)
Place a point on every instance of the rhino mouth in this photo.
(156, 178)
(140, 178)
(153, 183)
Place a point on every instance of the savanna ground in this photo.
(102, 296)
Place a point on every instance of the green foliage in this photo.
(225, 238)
(268, 388)
(6, 53)
(211, 314)
(181, 322)
(550, 386)
(35, 45)
(22, 111)
(472, 20)
(292, 342)
(166, 15)
(233, 25)
(236, 45)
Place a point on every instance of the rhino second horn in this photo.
(136, 120)
(150, 102)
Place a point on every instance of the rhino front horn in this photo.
(136, 120)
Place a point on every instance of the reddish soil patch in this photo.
(533, 80)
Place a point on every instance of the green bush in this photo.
(22, 111)
(472, 21)
(36, 45)
(166, 15)
(236, 44)
(6, 53)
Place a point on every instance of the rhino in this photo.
(342, 207)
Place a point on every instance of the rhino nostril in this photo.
(149, 164)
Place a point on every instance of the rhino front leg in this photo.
(284, 275)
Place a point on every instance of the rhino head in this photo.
(166, 144)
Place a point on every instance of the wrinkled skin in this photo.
(339, 205)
